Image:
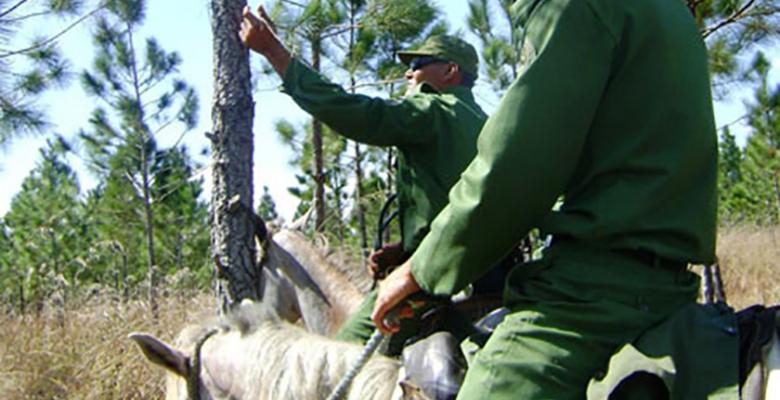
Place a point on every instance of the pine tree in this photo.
(729, 179)
(139, 85)
(352, 63)
(267, 208)
(45, 231)
(751, 189)
(181, 218)
(309, 29)
(732, 30)
(500, 40)
(28, 70)
(9, 278)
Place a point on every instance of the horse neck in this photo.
(325, 296)
(277, 361)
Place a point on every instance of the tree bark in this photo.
(361, 210)
(232, 241)
(149, 232)
(316, 140)
(146, 197)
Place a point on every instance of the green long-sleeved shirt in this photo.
(613, 112)
(435, 134)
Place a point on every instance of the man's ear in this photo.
(453, 75)
(162, 354)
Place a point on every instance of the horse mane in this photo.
(348, 263)
(280, 361)
(338, 279)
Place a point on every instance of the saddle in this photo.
(434, 366)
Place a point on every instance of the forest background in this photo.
(106, 168)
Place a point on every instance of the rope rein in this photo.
(377, 338)
(373, 343)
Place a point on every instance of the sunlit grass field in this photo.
(750, 263)
(84, 353)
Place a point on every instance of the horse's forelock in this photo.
(245, 319)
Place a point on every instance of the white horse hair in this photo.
(243, 359)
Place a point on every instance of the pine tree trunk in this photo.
(232, 240)
(142, 130)
(316, 140)
(390, 188)
(777, 198)
(361, 210)
(22, 299)
(149, 232)
(125, 283)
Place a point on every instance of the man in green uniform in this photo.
(434, 129)
(612, 112)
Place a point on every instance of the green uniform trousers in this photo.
(359, 327)
(570, 311)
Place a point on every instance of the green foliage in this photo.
(28, 70)
(131, 12)
(500, 40)
(148, 202)
(267, 208)
(44, 233)
(394, 25)
(750, 178)
(181, 219)
(733, 30)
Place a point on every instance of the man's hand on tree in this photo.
(259, 34)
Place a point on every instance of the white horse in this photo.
(245, 359)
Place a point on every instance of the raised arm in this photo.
(366, 119)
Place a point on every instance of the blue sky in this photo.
(187, 30)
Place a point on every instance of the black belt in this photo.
(646, 257)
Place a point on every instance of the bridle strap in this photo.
(193, 378)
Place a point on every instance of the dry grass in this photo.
(88, 355)
(749, 258)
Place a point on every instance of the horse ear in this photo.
(162, 354)
(300, 223)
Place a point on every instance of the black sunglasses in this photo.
(419, 62)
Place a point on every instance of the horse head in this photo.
(266, 359)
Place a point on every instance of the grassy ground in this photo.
(750, 264)
(86, 355)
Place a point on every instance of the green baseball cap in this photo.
(448, 48)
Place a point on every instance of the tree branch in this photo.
(737, 15)
(294, 3)
(53, 38)
(28, 16)
(13, 7)
(734, 122)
